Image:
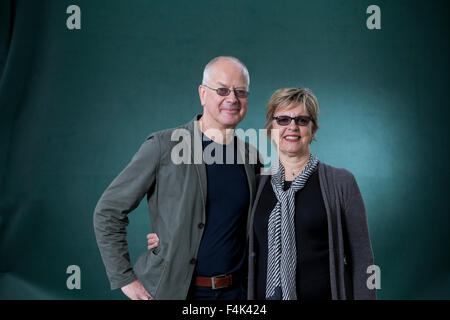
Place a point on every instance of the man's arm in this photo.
(121, 197)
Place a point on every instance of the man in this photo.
(199, 210)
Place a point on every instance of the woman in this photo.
(308, 238)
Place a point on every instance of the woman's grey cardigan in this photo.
(348, 235)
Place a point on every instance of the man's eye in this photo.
(241, 93)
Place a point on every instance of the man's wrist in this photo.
(122, 283)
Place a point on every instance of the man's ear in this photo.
(201, 94)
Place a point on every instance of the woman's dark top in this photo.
(311, 233)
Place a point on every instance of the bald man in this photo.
(199, 209)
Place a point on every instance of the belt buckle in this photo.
(213, 282)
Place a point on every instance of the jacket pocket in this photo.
(149, 269)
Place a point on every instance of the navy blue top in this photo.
(311, 233)
(223, 246)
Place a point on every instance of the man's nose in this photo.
(232, 97)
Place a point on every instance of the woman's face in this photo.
(293, 140)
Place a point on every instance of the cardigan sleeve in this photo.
(357, 231)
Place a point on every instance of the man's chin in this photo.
(231, 120)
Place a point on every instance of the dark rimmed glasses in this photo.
(299, 121)
(225, 92)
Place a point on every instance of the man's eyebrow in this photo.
(226, 86)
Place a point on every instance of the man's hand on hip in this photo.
(136, 291)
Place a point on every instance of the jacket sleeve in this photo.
(121, 197)
(358, 240)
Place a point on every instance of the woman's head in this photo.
(301, 104)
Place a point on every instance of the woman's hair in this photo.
(288, 97)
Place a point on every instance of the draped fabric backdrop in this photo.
(75, 105)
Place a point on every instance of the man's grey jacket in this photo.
(176, 195)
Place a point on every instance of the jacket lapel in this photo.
(250, 172)
(197, 155)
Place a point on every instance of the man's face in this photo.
(222, 112)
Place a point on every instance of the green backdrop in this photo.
(75, 105)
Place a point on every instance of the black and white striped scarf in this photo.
(282, 250)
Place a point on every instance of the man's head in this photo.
(224, 111)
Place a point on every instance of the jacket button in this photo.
(201, 225)
(193, 261)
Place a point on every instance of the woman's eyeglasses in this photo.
(299, 121)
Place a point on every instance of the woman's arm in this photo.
(360, 256)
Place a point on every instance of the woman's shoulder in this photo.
(338, 175)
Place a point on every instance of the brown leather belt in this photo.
(216, 282)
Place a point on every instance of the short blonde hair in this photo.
(287, 96)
